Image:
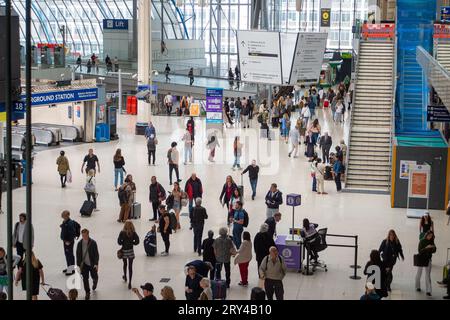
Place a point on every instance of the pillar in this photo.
(89, 118)
(144, 55)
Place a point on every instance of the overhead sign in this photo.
(214, 100)
(17, 107)
(260, 56)
(308, 58)
(378, 31)
(441, 31)
(325, 17)
(438, 114)
(115, 24)
(47, 98)
(445, 14)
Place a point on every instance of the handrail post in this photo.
(355, 266)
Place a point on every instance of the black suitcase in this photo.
(150, 244)
(87, 208)
(54, 293)
(328, 175)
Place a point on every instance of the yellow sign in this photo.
(194, 110)
(2, 116)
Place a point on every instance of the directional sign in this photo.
(445, 14)
(18, 107)
(438, 114)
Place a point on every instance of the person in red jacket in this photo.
(194, 190)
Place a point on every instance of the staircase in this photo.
(369, 166)
(442, 50)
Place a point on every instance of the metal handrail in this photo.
(393, 111)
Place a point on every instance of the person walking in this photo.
(90, 189)
(237, 151)
(390, 250)
(190, 126)
(87, 260)
(231, 78)
(272, 271)
(223, 250)
(37, 275)
(20, 235)
(63, 168)
(165, 230)
(227, 191)
(319, 174)
(191, 76)
(177, 195)
(238, 108)
(70, 230)
(375, 261)
(262, 243)
(128, 238)
(168, 103)
(272, 224)
(119, 170)
(187, 147)
(426, 224)
(306, 115)
(212, 143)
(337, 171)
(4, 279)
(151, 149)
(166, 72)
(156, 196)
(199, 215)
(339, 111)
(243, 258)
(294, 136)
(208, 253)
(89, 66)
(173, 157)
(238, 218)
(125, 193)
(253, 172)
(79, 66)
(194, 190)
(245, 113)
(274, 198)
(192, 286)
(116, 64)
(325, 143)
(425, 253)
(284, 127)
(91, 161)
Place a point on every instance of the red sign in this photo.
(378, 31)
(419, 184)
(441, 31)
(48, 45)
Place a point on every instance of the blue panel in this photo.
(414, 28)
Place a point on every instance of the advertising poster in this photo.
(260, 56)
(194, 110)
(404, 168)
(419, 178)
(325, 16)
(214, 101)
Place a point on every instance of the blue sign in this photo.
(293, 199)
(17, 107)
(47, 98)
(445, 14)
(115, 24)
(143, 87)
(438, 114)
(214, 98)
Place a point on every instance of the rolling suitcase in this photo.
(241, 187)
(219, 289)
(150, 244)
(87, 208)
(54, 293)
(135, 212)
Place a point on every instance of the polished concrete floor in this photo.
(368, 216)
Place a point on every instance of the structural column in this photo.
(144, 55)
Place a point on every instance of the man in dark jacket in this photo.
(253, 171)
(201, 267)
(325, 143)
(194, 190)
(272, 223)
(208, 253)
(274, 198)
(69, 231)
(245, 112)
(157, 194)
(192, 284)
(262, 243)
(87, 260)
(199, 216)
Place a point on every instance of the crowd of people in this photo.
(94, 63)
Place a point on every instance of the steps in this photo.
(442, 50)
(369, 166)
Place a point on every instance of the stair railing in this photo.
(393, 108)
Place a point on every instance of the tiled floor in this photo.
(368, 216)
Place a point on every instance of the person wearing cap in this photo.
(370, 293)
(147, 292)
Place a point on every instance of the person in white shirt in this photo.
(339, 111)
(319, 171)
(187, 147)
(168, 102)
(294, 136)
(306, 114)
(173, 159)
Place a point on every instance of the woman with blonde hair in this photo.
(206, 294)
(128, 238)
(90, 189)
(119, 169)
(37, 275)
(167, 293)
(177, 194)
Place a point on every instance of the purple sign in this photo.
(214, 99)
(291, 252)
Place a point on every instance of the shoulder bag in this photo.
(89, 187)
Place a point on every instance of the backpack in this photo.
(173, 221)
(246, 219)
(169, 155)
(123, 196)
(77, 229)
(169, 201)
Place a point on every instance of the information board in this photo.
(214, 100)
(308, 57)
(260, 56)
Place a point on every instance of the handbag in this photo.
(448, 211)
(184, 199)
(418, 261)
(69, 176)
(89, 187)
(120, 254)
